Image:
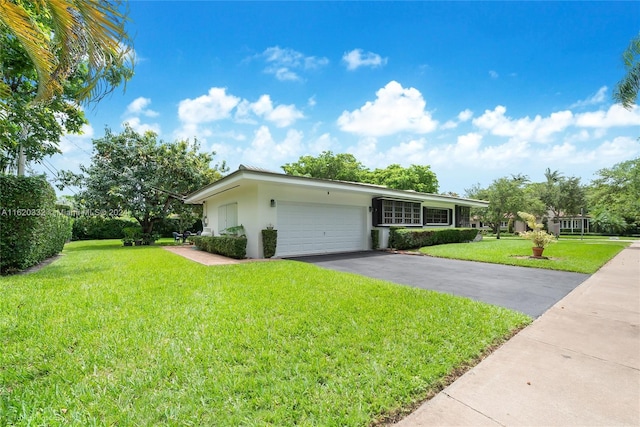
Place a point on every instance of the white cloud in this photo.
(324, 142)
(218, 105)
(538, 129)
(215, 105)
(615, 116)
(493, 74)
(281, 115)
(465, 115)
(140, 127)
(357, 58)
(285, 64)
(139, 106)
(449, 124)
(598, 98)
(264, 150)
(395, 110)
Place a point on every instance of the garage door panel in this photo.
(313, 228)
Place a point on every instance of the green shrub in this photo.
(100, 227)
(375, 239)
(229, 246)
(413, 238)
(31, 229)
(269, 242)
(393, 235)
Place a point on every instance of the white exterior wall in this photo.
(254, 192)
(255, 212)
(247, 206)
(296, 194)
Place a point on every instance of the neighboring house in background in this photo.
(566, 224)
(316, 216)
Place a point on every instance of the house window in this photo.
(396, 212)
(227, 216)
(463, 216)
(437, 216)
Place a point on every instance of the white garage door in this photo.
(315, 229)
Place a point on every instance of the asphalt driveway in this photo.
(529, 290)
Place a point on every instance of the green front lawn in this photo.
(581, 256)
(109, 335)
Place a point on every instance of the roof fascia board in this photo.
(373, 190)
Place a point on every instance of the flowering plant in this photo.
(537, 235)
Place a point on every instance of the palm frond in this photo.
(35, 43)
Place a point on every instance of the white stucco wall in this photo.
(255, 211)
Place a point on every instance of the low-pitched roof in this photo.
(234, 179)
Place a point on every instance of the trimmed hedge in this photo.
(269, 242)
(413, 238)
(229, 246)
(31, 229)
(100, 227)
(375, 239)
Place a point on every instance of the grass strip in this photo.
(585, 256)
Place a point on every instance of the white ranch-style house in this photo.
(319, 216)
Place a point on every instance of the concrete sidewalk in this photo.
(577, 364)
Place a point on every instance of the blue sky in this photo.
(476, 90)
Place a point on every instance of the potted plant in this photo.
(149, 238)
(537, 235)
(130, 235)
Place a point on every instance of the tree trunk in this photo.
(21, 161)
(147, 225)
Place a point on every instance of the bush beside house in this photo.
(31, 228)
(412, 238)
(229, 246)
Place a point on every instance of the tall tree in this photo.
(615, 194)
(626, 91)
(561, 195)
(415, 177)
(138, 174)
(345, 167)
(342, 167)
(506, 197)
(59, 36)
(33, 127)
(55, 55)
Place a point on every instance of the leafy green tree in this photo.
(626, 91)
(342, 167)
(615, 194)
(49, 64)
(142, 176)
(608, 222)
(415, 177)
(506, 196)
(34, 127)
(561, 195)
(345, 167)
(60, 36)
